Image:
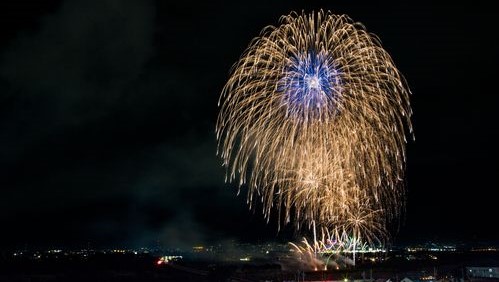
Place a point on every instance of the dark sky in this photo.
(108, 109)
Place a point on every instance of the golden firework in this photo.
(313, 120)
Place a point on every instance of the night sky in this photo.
(108, 110)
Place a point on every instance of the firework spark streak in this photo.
(313, 120)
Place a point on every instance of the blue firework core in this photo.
(310, 82)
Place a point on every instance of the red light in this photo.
(159, 262)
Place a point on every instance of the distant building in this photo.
(482, 272)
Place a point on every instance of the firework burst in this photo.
(313, 120)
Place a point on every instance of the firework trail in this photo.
(313, 120)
